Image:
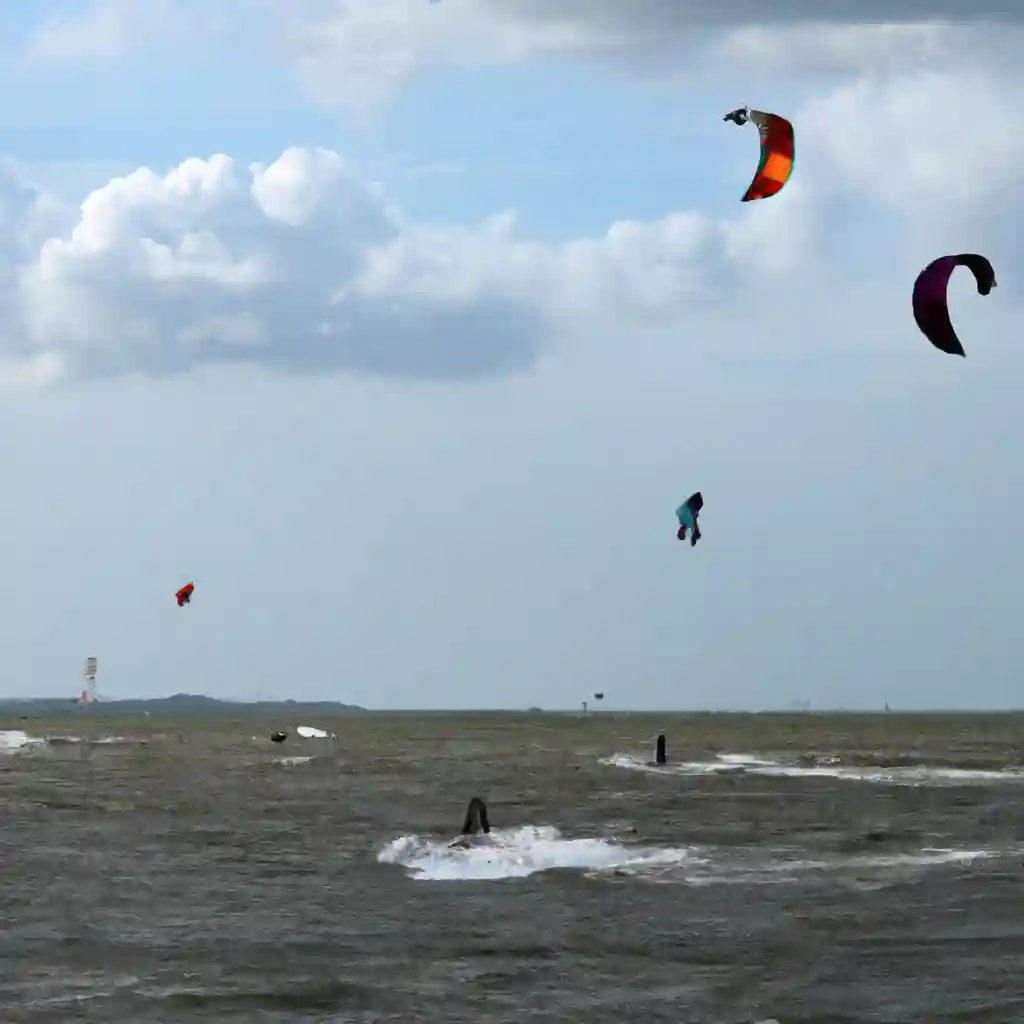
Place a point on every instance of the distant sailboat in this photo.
(88, 694)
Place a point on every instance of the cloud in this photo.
(299, 265)
(108, 30)
(901, 140)
(816, 48)
(357, 55)
(214, 262)
(667, 16)
(302, 266)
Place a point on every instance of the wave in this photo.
(520, 852)
(860, 870)
(829, 767)
(524, 851)
(13, 741)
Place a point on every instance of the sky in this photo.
(402, 328)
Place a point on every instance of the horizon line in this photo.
(184, 698)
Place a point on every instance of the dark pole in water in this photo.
(659, 753)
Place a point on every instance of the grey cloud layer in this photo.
(658, 16)
(358, 57)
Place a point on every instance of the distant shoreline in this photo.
(199, 703)
(177, 702)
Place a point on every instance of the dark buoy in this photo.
(278, 737)
(659, 753)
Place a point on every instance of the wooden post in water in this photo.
(659, 753)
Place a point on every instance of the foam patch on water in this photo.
(786, 867)
(885, 868)
(520, 852)
(15, 739)
(752, 764)
(517, 853)
(56, 741)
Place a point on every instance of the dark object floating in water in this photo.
(659, 751)
(476, 825)
(278, 737)
(476, 818)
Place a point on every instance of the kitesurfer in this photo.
(696, 535)
(474, 826)
(476, 818)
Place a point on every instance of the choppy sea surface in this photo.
(780, 868)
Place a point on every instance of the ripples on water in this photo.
(843, 869)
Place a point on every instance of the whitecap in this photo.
(888, 868)
(16, 739)
(520, 852)
(310, 732)
(752, 764)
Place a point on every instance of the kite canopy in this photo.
(687, 512)
(184, 595)
(931, 310)
(778, 151)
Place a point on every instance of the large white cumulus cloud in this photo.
(300, 265)
(217, 262)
